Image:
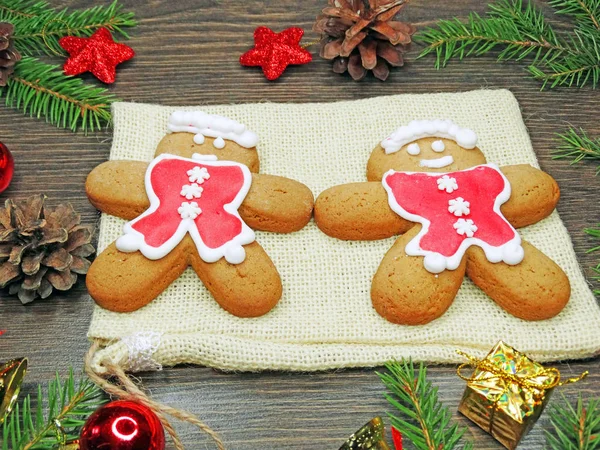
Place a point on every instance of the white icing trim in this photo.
(418, 129)
(510, 252)
(209, 125)
(437, 163)
(132, 240)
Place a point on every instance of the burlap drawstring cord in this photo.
(128, 390)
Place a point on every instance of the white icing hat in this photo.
(202, 125)
(418, 129)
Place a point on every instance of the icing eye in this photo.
(219, 142)
(413, 149)
(438, 146)
(199, 139)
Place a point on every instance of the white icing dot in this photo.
(413, 149)
(199, 139)
(512, 254)
(235, 254)
(438, 146)
(434, 263)
(219, 142)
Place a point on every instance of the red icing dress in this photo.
(200, 197)
(457, 210)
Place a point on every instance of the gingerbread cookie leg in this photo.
(534, 289)
(249, 289)
(124, 282)
(358, 211)
(404, 292)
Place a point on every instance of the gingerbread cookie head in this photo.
(195, 132)
(425, 146)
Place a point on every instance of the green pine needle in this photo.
(67, 403)
(577, 146)
(421, 417)
(12, 10)
(521, 31)
(39, 33)
(40, 89)
(575, 428)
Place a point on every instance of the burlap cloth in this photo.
(325, 319)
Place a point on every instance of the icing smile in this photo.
(437, 163)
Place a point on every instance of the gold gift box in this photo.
(506, 393)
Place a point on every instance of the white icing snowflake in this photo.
(465, 227)
(459, 207)
(191, 191)
(198, 175)
(189, 210)
(447, 184)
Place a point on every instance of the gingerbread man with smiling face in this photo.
(457, 215)
(197, 203)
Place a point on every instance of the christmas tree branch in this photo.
(422, 418)
(42, 89)
(522, 31)
(16, 9)
(577, 146)
(68, 404)
(575, 428)
(40, 34)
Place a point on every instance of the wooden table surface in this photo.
(187, 53)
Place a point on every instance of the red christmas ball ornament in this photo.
(122, 425)
(7, 167)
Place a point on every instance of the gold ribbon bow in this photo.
(511, 381)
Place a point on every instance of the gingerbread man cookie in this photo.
(196, 204)
(457, 215)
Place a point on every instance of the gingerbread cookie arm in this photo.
(277, 204)
(515, 288)
(117, 188)
(404, 292)
(358, 211)
(125, 282)
(534, 195)
(273, 203)
(249, 289)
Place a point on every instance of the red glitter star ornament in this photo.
(98, 54)
(275, 51)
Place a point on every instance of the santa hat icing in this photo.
(210, 125)
(418, 129)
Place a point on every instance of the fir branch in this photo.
(39, 34)
(595, 233)
(584, 11)
(68, 405)
(422, 418)
(11, 10)
(569, 59)
(521, 31)
(578, 146)
(575, 428)
(41, 89)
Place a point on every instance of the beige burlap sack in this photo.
(325, 319)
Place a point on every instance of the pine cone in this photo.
(41, 248)
(361, 35)
(9, 56)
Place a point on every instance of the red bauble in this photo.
(7, 167)
(122, 425)
(275, 51)
(98, 54)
